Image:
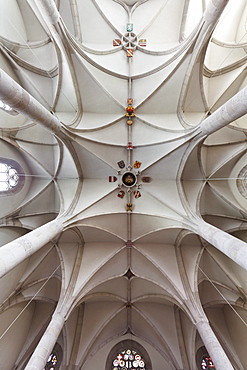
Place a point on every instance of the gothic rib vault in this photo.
(91, 257)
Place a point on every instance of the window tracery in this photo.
(55, 359)
(128, 355)
(128, 359)
(207, 363)
(11, 177)
(51, 362)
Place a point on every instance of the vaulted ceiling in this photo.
(129, 257)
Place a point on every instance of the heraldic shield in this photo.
(121, 164)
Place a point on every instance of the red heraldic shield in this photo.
(116, 42)
(112, 178)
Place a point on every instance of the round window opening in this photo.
(242, 182)
(11, 177)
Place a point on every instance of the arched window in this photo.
(207, 363)
(11, 177)
(55, 358)
(128, 354)
(52, 362)
(128, 359)
(203, 360)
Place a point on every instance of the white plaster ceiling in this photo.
(75, 72)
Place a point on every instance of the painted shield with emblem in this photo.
(146, 179)
(112, 178)
(129, 53)
(121, 194)
(116, 42)
(121, 164)
(142, 42)
(137, 164)
(137, 194)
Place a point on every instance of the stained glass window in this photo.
(8, 177)
(12, 177)
(207, 363)
(51, 362)
(128, 360)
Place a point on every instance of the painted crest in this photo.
(121, 194)
(129, 53)
(137, 164)
(116, 42)
(137, 194)
(129, 27)
(121, 164)
(142, 42)
(146, 179)
(129, 207)
(130, 111)
(129, 146)
(112, 178)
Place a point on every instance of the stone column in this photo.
(232, 247)
(48, 10)
(213, 11)
(20, 100)
(212, 344)
(233, 109)
(46, 343)
(13, 253)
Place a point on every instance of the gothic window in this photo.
(51, 362)
(55, 358)
(11, 177)
(207, 363)
(128, 355)
(203, 360)
(128, 359)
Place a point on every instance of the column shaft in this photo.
(233, 109)
(20, 100)
(213, 11)
(49, 11)
(15, 252)
(46, 343)
(232, 247)
(213, 346)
